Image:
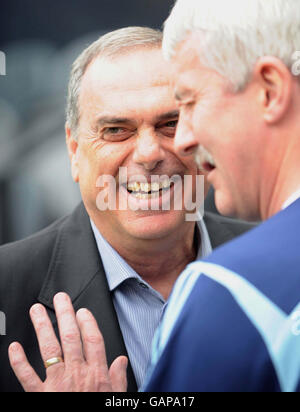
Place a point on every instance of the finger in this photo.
(22, 369)
(48, 342)
(118, 374)
(92, 340)
(68, 330)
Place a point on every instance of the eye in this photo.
(114, 130)
(172, 123)
(168, 128)
(116, 134)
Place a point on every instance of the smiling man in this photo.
(120, 263)
(237, 311)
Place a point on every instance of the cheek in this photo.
(103, 158)
(212, 118)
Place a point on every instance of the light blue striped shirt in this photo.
(139, 307)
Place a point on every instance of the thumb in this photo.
(118, 374)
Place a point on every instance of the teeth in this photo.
(155, 187)
(146, 188)
(140, 195)
(135, 187)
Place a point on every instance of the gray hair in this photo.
(235, 33)
(109, 45)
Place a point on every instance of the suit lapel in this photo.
(76, 269)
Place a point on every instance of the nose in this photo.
(185, 142)
(148, 151)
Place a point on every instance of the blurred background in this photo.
(41, 39)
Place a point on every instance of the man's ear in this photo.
(275, 82)
(73, 151)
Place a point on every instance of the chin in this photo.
(238, 210)
(154, 227)
(225, 205)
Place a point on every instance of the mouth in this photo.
(148, 190)
(208, 167)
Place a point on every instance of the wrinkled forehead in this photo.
(131, 69)
(137, 77)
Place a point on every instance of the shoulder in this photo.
(274, 234)
(26, 262)
(39, 238)
(264, 255)
(263, 241)
(28, 255)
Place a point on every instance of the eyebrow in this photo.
(168, 115)
(121, 120)
(177, 96)
(111, 120)
(186, 94)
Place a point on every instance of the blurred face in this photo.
(223, 130)
(128, 119)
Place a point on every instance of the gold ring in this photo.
(53, 361)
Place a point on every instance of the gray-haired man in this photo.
(238, 310)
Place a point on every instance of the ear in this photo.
(275, 83)
(73, 151)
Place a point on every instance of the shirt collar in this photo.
(117, 269)
(295, 196)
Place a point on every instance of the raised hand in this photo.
(78, 364)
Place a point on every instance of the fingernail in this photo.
(14, 347)
(61, 297)
(83, 313)
(37, 309)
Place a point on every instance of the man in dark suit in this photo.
(119, 264)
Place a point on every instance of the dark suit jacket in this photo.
(64, 257)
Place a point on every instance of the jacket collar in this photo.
(75, 260)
